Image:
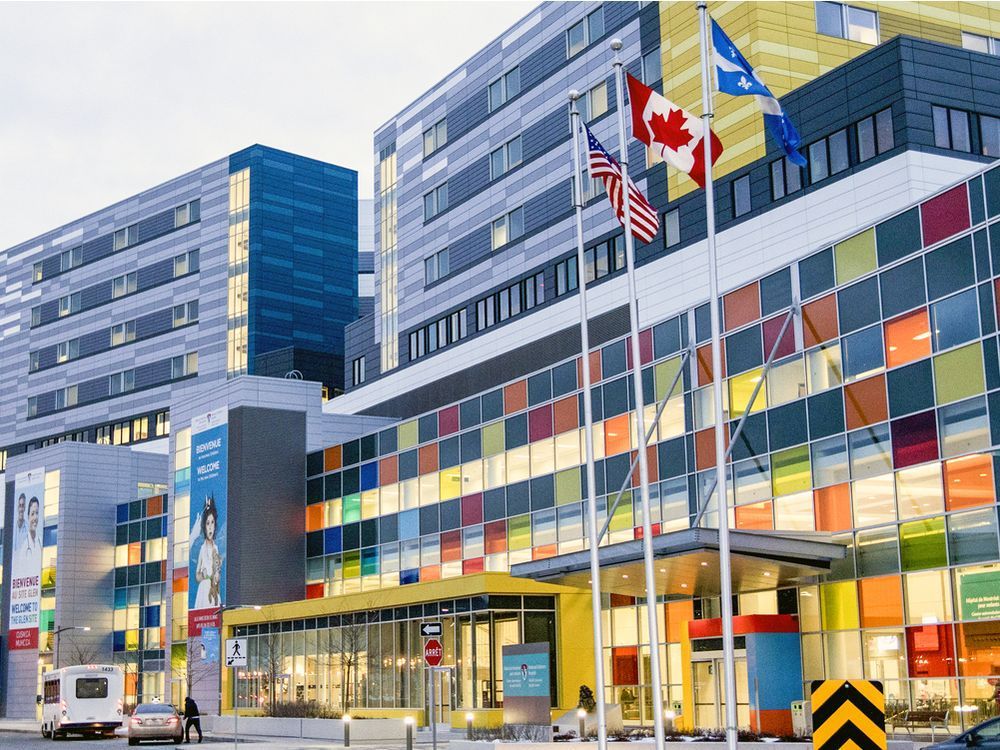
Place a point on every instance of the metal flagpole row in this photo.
(649, 433)
(640, 417)
(746, 413)
(725, 563)
(588, 418)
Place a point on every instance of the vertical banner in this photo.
(26, 560)
(527, 695)
(207, 541)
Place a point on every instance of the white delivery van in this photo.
(82, 700)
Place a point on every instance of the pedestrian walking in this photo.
(192, 718)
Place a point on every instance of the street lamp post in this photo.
(55, 641)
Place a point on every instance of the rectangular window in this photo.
(583, 33)
(839, 160)
(504, 88)
(186, 313)
(951, 129)
(819, 166)
(847, 22)
(652, 70)
(505, 158)
(69, 304)
(122, 285)
(594, 103)
(184, 365)
(508, 228)
(126, 237)
(358, 371)
(187, 214)
(989, 133)
(185, 263)
(123, 333)
(435, 136)
(121, 382)
(435, 201)
(975, 42)
(36, 316)
(67, 350)
(36, 272)
(66, 397)
(566, 276)
(672, 227)
(32, 406)
(436, 267)
(741, 195)
(33, 363)
(162, 423)
(70, 258)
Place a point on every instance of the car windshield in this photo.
(154, 708)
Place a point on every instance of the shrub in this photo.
(304, 710)
(587, 702)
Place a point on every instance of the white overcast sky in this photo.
(99, 101)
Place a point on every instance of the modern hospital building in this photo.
(446, 483)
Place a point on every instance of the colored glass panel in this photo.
(519, 532)
(922, 544)
(771, 329)
(515, 397)
(568, 486)
(741, 307)
(945, 215)
(968, 482)
(881, 601)
(388, 470)
(874, 501)
(314, 517)
(663, 376)
(819, 321)
(790, 471)
(855, 256)
(565, 414)
(407, 435)
(704, 355)
(930, 651)
(741, 389)
(839, 606)
(331, 458)
(972, 538)
(493, 439)
(907, 338)
(448, 421)
(914, 439)
(755, 516)
(540, 423)
(450, 483)
(428, 458)
(865, 402)
(833, 508)
(617, 435)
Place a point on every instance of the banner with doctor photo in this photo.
(207, 542)
(26, 560)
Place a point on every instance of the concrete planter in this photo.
(484, 745)
(314, 729)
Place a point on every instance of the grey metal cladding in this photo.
(617, 13)
(543, 135)
(154, 274)
(92, 296)
(92, 390)
(94, 341)
(470, 249)
(97, 248)
(464, 116)
(154, 323)
(545, 208)
(469, 181)
(155, 225)
(544, 61)
(152, 373)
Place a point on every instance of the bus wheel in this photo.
(45, 734)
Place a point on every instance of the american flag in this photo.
(645, 221)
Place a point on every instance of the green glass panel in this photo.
(352, 508)
(790, 471)
(568, 488)
(855, 256)
(352, 564)
(958, 374)
(407, 437)
(369, 563)
(839, 603)
(663, 376)
(493, 442)
(622, 519)
(921, 544)
(519, 532)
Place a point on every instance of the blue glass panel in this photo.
(369, 476)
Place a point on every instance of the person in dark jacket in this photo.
(191, 719)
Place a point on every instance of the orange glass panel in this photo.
(907, 338)
(819, 321)
(704, 448)
(654, 470)
(546, 550)
(332, 458)
(968, 482)
(705, 363)
(833, 508)
(755, 516)
(154, 505)
(565, 414)
(616, 435)
(881, 602)
(595, 367)
(741, 307)
(314, 517)
(180, 585)
(678, 615)
(430, 573)
(428, 458)
(388, 470)
(135, 553)
(978, 650)
(515, 397)
(865, 403)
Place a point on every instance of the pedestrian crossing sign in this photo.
(236, 652)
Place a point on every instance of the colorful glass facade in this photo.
(876, 424)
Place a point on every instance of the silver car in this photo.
(155, 721)
(985, 735)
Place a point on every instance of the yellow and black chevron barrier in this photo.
(848, 714)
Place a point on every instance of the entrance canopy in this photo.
(687, 563)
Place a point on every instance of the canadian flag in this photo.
(674, 133)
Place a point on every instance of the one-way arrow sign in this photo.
(430, 629)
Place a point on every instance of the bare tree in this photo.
(353, 644)
(75, 652)
(270, 656)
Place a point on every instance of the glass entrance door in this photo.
(709, 693)
(443, 685)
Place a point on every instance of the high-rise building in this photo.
(245, 265)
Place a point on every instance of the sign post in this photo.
(236, 657)
(433, 651)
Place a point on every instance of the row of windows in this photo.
(503, 88)
(510, 301)
(133, 430)
(118, 383)
(952, 130)
(437, 335)
(847, 22)
(583, 33)
(979, 43)
(121, 286)
(436, 266)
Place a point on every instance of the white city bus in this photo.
(82, 700)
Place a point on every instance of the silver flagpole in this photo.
(640, 416)
(588, 430)
(725, 569)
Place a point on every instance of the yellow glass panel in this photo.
(663, 376)
(855, 256)
(335, 512)
(388, 498)
(495, 471)
(407, 435)
(568, 452)
(672, 419)
(369, 504)
(409, 494)
(839, 606)
(451, 483)
(741, 388)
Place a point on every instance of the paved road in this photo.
(22, 741)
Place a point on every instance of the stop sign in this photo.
(433, 651)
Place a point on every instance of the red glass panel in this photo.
(451, 546)
(705, 363)
(741, 307)
(566, 414)
(314, 591)
(428, 458)
(154, 505)
(914, 439)
(625, 665)
(945, 215)
(448, 421)
(930, 651)
(515, 397)
(540, 423)
(495, 537)
(388, 470)
(475, 565)
(646, 346)
(472, 510)
(771, 330)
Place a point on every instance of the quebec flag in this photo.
(737, 77)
